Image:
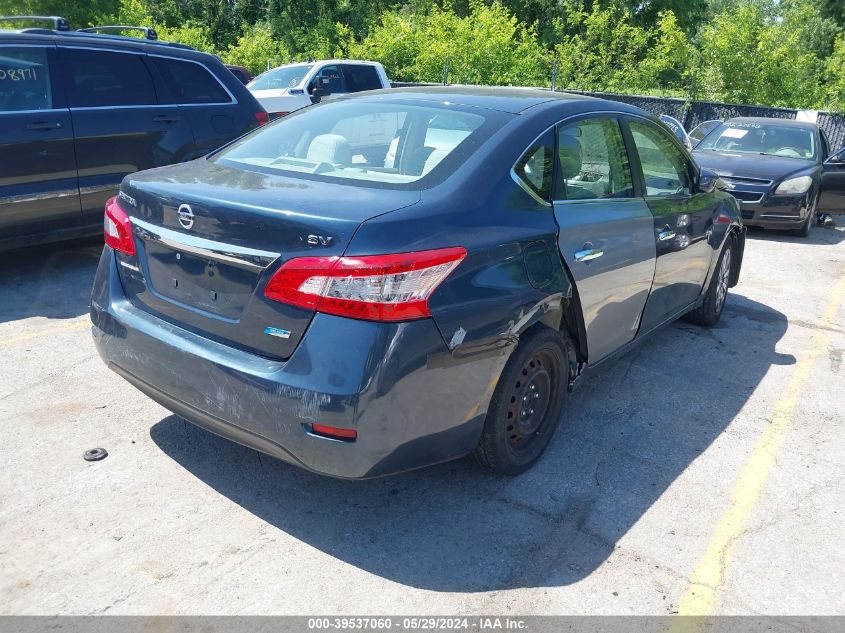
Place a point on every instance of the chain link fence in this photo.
(691, 113)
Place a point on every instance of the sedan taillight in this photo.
(392, 287)
(117, 228)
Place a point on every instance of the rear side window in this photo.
(361, 77)
(24, 79)
(592, 161)
(103, 78)
(665, 169)
(189, 82)
(534, 169)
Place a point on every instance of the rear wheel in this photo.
(527, 403)
(711, 307)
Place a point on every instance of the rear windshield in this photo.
(280, 78)
(770, 139)
(382, 144)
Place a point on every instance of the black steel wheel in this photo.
(527, 403)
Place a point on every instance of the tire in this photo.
(804, 229)
(527, 403)
(710, 310)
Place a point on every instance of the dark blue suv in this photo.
(79, 111)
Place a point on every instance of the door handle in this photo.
(588, 253)
(165, 118)
(44, 125)
(666, 234)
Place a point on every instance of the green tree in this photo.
(256, 48)
(488, 46)
(605, 51)
(79, 14)
(835, 77)
(751, 56)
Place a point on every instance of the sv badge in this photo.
(318, 240)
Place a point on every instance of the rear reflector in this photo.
(334, 432)
(117, 228)
(372, 287)
(262, 117)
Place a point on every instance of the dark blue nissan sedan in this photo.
(405, 277)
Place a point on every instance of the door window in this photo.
(337, 84)
(666, 170)
(361, 77)
(592, 161)
(189, 82)
(103, 78)
(24, 79)
(535, 167)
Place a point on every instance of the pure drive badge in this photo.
(278, 332)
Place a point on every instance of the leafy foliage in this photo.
(604, 50)
(488, 46)
(772, 52)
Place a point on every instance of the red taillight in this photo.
(117, 228)
(334, 432)
(373, 287)
(262, 117)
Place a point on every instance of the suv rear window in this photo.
(361, 77)
(24, 79)
(103, 78)
(387, 144)
(189, 82)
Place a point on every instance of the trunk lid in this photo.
(208, 238)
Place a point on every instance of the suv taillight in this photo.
(262, 117)
(373, 287)
(117, 228)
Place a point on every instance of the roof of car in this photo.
(506, 99)
(759, 120)
(49, 36)
(325, 61)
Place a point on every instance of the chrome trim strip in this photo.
(757, 201)
(36, 197)
(746, 181)
(42, 111)
(130, 266)
(247, 258)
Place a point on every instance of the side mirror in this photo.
(320, 88)
(707, 180)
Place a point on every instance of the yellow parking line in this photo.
(709, 574)
(75, 324)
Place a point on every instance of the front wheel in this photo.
(804, 229)
(711, 307)
(527, 403)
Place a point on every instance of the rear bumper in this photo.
(410, 401)
(776, 212)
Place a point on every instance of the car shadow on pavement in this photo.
(52, 281)
(819, 235)
(630, 431)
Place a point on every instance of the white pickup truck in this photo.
(283, 89)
